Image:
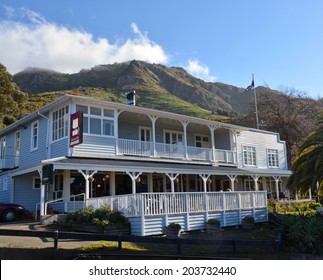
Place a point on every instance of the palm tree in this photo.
(308, 165)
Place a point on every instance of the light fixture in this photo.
(99, 186)
(91, 179)
(107, 176)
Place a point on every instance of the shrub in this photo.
(100, 217)
(214, 222)
(174, 226)
(298, 209)
(248, 218)
(304, 234)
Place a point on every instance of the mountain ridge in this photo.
(145, 78)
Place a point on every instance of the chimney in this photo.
(130, 97)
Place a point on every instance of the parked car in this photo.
(10, 211)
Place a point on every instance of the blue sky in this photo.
(280, 41)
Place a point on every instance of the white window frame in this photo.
(58, 186)
(250, 150)
(202, 140)
(174, 132)
(60, 123)
(34, 182)
(34, 138)
(145, 128)
(87, 116)
(17, 147)
(272, 162)
(2, 151)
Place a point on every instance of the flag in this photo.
(251, 86)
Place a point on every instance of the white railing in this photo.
(171, 151)
(135, 148)
(197, 153)
(149, 204)
(68, 203)
(226, 156)
(174, 151)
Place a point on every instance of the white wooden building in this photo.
(156, 167)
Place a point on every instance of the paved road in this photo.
(35, 242)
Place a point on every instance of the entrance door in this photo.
(173, 137)
(202, 141)
(145, 133)
(145, 139)
(175, 147)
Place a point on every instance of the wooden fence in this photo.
(178, 243)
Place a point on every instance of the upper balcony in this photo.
(153, 137)
(175, 152)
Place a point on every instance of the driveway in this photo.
(35, 242)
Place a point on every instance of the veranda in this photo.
(150, 213)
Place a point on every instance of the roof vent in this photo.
(130, 97)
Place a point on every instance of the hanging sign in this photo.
(76, 129)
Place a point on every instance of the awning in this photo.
(110, 165)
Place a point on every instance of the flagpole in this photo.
(256, 107)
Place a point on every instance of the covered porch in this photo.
(152, 195)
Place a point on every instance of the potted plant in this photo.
(173, 230)
(248, 222)
(213, 226)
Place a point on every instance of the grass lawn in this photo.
(210, 245)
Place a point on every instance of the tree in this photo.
(289, 112)
(11, 98)
(308, 166)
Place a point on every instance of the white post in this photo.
(66, 184)
(205, 177)
(150, 182)
(42, 199)
(212, 129)
(87, 176)
(256, 178)
(112, 183)
(310, 193)
(153, 125)
(232, 178)
(42, 193)
(172, 177)
(277, 178)
(184, 124)
(116, 129)
(134, 176)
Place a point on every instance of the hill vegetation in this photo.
(157, 86)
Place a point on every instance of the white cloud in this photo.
(198, 70)
(39, 43)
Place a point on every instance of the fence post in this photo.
(179, 246)
(142, 212)
(119, 243)
(55, 239)
(234, 247)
